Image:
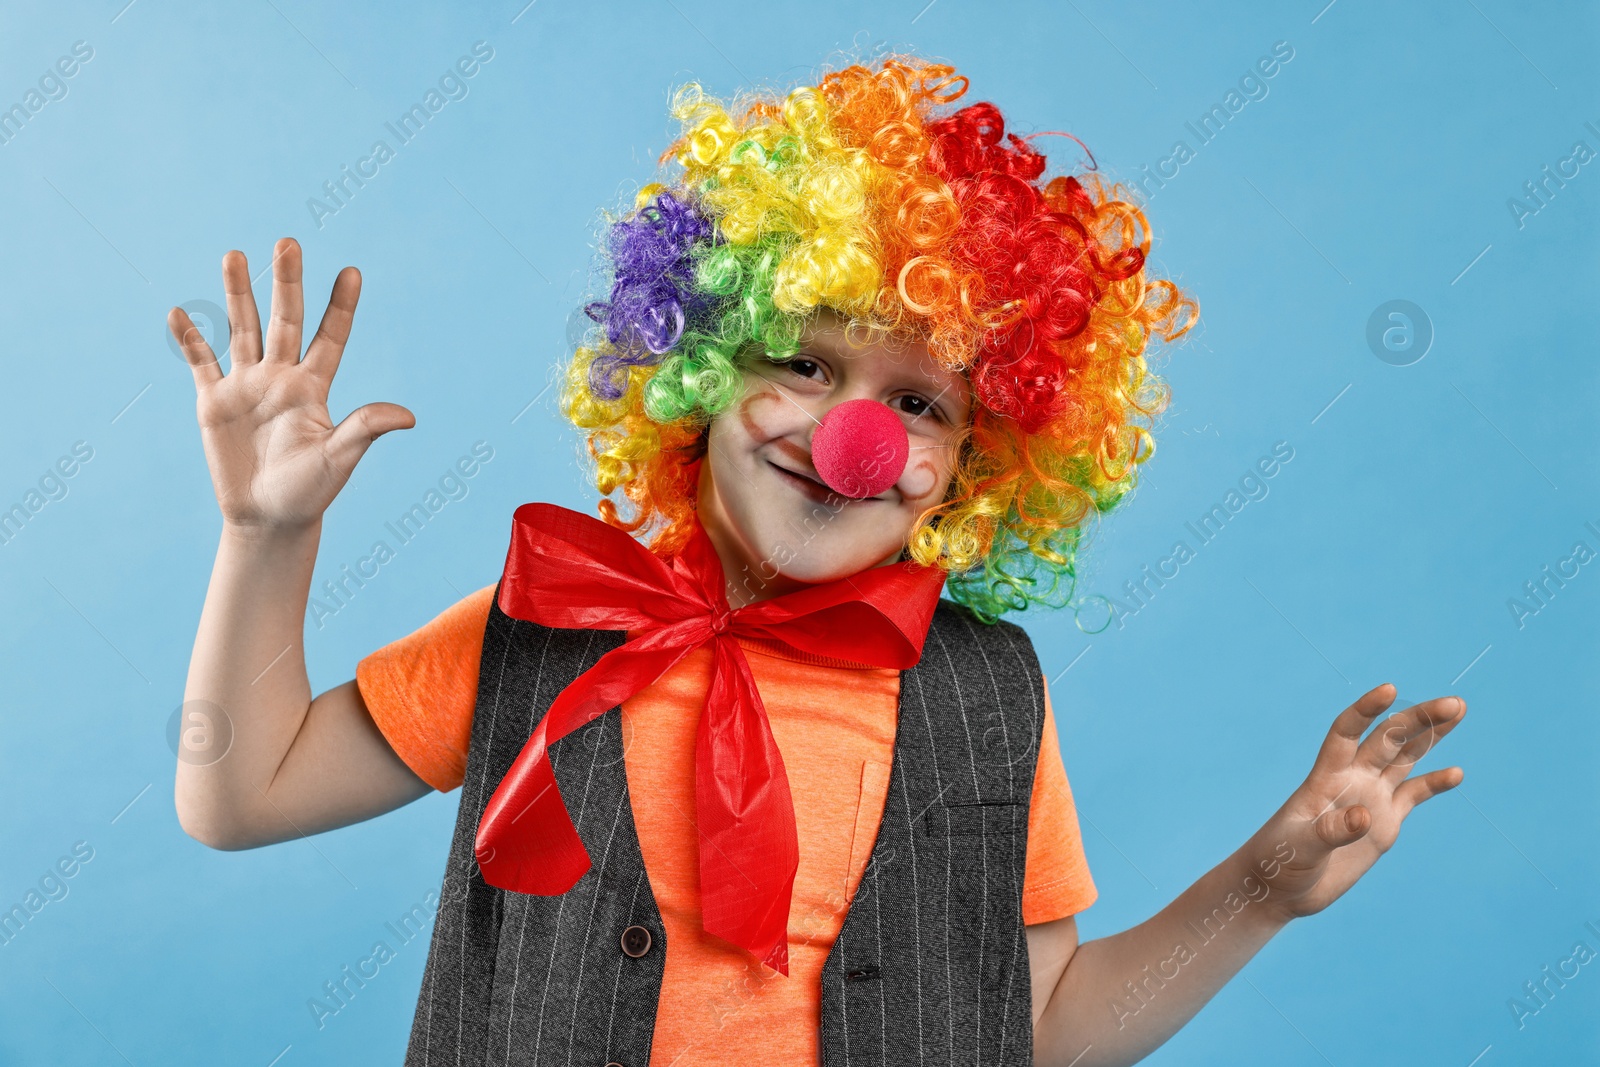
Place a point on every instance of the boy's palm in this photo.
(1348, 811)
(276, 457)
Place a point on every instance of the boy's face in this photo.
(774, 523)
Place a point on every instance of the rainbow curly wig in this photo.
(871, 194)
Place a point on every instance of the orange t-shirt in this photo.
(717, 1001)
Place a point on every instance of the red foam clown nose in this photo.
(860, 448)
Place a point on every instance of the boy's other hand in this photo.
(276, 458)
(1348, 811)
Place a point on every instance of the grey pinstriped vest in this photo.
(930, 965)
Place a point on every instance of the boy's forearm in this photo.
(248, 670)
(1123, 996)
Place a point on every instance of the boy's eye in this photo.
(911, 404)
(805, 368)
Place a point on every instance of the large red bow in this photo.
(571, 571)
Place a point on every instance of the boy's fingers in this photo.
(1344, 737)
(327, 347)
(361, 427)
(1419, 746)
(288, 304)
(192, 343)
(1420, 722)
(244, 323)
(1414, 791)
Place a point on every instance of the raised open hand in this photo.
(276, 458)
(1348, 811)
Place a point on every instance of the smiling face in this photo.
(774, 523)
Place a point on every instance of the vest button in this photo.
(613, 1064)
(635, 941)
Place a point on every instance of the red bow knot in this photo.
(570, 571)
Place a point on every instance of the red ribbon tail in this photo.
(749, 850)
(526, 841)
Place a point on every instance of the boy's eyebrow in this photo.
(841, 345)
(829, 345)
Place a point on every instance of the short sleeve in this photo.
(1056, 880)
(421, 690)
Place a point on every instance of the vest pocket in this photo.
(870, 800)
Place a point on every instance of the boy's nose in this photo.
(860, 448)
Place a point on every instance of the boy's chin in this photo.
(819, 567)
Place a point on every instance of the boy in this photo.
(814, 814)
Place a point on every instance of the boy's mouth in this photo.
(816, 490)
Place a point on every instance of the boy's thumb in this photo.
(1342, 826)
(365, 425)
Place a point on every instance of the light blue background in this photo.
(1378, 167)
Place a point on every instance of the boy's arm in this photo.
(259, 760)
(1093, 1017)
(1118, 998)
